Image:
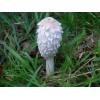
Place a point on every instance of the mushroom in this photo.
(49, 36)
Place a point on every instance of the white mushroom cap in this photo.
(49, 37)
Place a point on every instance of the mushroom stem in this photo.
(49, 66)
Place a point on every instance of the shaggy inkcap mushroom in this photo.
(49, 36)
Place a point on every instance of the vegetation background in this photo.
(78, 59)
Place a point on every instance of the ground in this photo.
(77, 62)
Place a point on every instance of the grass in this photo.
(77, 62)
